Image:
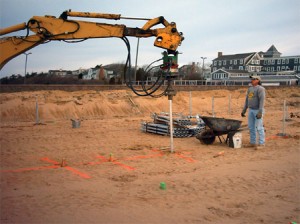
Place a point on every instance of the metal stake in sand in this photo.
(284, 116)
(170, 93)
(171, 124)
(283, 120)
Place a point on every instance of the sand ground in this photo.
(112, 171)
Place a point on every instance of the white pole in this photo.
(190, 103)
(283, 119)
(171, 127)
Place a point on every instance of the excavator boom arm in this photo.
(48, 28)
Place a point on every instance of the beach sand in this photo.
(108, 171)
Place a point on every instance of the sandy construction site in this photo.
(108, 171)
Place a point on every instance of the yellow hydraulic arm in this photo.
(47, 28)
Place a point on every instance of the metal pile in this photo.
(183, 125)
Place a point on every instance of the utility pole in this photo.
(26, 66)
(203, 58)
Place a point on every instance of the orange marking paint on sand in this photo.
(83, 175)
(275, 137)
(102, 158)
(185, 158)
(29, 169)
(123, 165)
(46, 159)
(180, 155)
(116, 163)
(90, 163)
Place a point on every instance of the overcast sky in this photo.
(209, 26)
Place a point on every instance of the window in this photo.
(268, 62)
(272, 61)
(272, 69)
(282, 68)
(224, 62)
(215, 63)
(231, 62)
(265, 62)
(241, 61)
(268, 69)
(230, 68)
(235, 62)
(299, 68)
(296, 60)
(287, 61)
(220, 63)
(278, 68)
(278, 61)
(295, 68)
(283, 61)
(287, 68)
(241, 67)
(214, 69)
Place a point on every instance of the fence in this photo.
(219, 83)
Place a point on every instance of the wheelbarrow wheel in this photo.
(206, 137)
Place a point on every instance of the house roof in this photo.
(272, 51)
(231, 71)
(234, 56)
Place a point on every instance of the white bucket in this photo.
(237, 140)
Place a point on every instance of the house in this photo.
(98, 73)
(79, 72)
(223, 74)
(59, 72)
(244, 62)
(192, 70)
(264, 63)
(106, 74)
(92, 73)
(270, 65)
(272, 62)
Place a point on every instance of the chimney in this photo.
(220, 54)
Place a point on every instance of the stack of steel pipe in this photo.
(183, 126)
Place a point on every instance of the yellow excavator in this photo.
(49, 28)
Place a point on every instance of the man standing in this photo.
(255, 101)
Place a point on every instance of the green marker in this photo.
(163, 186)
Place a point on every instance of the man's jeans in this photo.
(254, 125)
